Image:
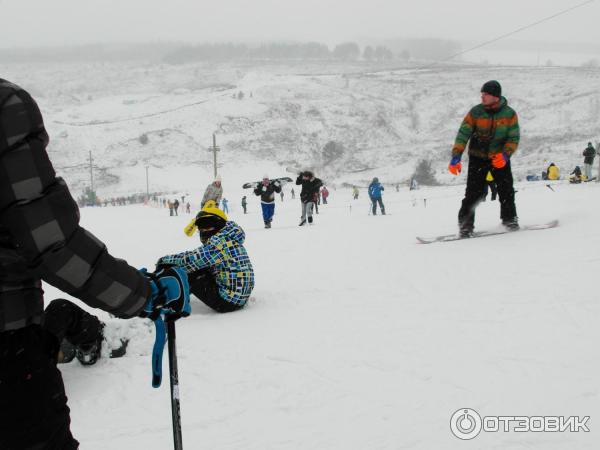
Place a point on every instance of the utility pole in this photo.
(147, 185)
(91, 173)
(214, 149)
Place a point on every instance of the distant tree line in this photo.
(345, 51)
(177, 53)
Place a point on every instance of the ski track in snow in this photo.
(357, 337)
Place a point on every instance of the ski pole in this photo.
(174, 377)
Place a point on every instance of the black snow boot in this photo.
(465, 231)
(511, 224)
(88, 353)
(66, 352)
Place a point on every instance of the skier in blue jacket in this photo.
(375, 189)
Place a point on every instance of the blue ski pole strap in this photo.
(157, 351)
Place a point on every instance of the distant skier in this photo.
(214, 192)
(266, 190)
(324, 194)
(491, 130)
(375, 190)
(589, 153)
(244, 203)
(355, 193)
(188, 208)
(171, 207)
(293, 194)
(176, 206)
(310, 189)
(225, 204)
(281, 194)
(220, 272)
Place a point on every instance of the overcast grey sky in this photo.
(32, 23)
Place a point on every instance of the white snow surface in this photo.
(357, 337)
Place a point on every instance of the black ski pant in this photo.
(476, 189)
(204, 286)
(33, 406)
(66, 320)
(374, 202)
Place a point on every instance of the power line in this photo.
(518, 30)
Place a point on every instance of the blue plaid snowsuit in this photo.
(225, 256)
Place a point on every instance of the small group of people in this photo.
(577, 175)
(309, 196)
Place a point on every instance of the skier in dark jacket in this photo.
(589, 154)
(308, 195)
(375, 190)
(41, 240)
(266, 190)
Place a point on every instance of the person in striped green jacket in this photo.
(490, 132)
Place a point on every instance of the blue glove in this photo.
(170, 294)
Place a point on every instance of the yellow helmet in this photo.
(210, 208)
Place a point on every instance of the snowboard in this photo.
(477, 234)
(281, 180)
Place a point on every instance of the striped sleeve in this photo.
(42, 218)
(464, 134)
(513, 136)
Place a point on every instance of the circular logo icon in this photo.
(465, 423)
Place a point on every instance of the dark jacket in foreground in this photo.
(310, 189)
(40, 236)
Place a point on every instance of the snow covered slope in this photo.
(378, 120)
(359, 338)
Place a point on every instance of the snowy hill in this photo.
(348, 121)
(359, 338)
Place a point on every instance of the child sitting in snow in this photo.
(220, 272)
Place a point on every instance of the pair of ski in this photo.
(478, 234)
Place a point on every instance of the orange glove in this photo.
(455, 165)
(499, 160)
